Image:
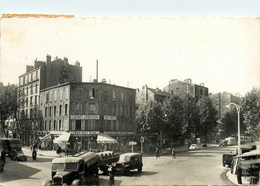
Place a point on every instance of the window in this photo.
(54, 125)
(47, 98)
(31, 100)
(122, 111)
(105, 95)
(26, 113)
(31, 76)
(122, 96)
(50, 128)
(50, 112)
(79, 93)
(92, 93)
(54, 111)
(23, 80)
(60, 110)
(92, 108)
(31, 113)
(31, 88)
(27, 102)
(35, 100)
(66, 109)
(114, 110)
(27, 78)
(46, 110)
(45, 125)
(91, 125)
(114, 95)
(60, 125)
(36, 88)
(36, 74)
(26, 90)
(78, 124)
(78, 108)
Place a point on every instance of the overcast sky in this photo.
(223, 53)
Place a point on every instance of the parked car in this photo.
(222, 143)
(128, 162)
(194, 147)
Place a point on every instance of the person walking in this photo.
(173, 153)
(111, 179)
(58, 151)
(157, 152)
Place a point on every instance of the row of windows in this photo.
(55, 125)
(92, 94)
(28, 78)
(55, 96)
(25, 101)
(31, 88)
(77, 108)
(56, 111)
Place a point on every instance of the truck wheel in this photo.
(140, 169)
(127, 171)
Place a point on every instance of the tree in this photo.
(192, 118)
(208, 116)
(230, 123)
(251, 111)
(174, 112)
(8, 104)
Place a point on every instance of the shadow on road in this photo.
(23, 172)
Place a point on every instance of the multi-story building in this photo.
(38, 77)
(220, 102)
(147, 94)
(182, 88)
(88, 109)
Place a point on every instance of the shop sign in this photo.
(94, 117)
(106, 117)
(132, 143)
(84, 132)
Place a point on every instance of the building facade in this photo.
(182, 88)
(147, 94)
(38, 77)
(88, 109)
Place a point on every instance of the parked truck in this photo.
(106, 159)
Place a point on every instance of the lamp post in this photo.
(238, 124)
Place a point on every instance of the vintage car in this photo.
(78, 170)
(128, 162)
(106, 159)
(193, 147)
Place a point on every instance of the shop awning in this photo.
(46, 137)
(104, 138)
(62, 138)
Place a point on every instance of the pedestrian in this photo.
(173, 153)
(58, 151)
(111, 179)
(239, 174)
(66, 150)
(157, 152)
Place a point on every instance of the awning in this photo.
(104, 138)
(62, 138)
(46, 137)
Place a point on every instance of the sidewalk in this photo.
(233, 179)
(47, 153)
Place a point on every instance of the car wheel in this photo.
(127, 171)
(140, 169)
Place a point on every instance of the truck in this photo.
(81, 169)
(106, 159)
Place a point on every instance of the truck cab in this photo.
(78, 170)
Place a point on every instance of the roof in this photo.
(67, 160)
(248, 162)
(248, 154)
(131, 154)
(159, 92)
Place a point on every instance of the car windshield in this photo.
(124, 158)
(56, 166)
(71, 166)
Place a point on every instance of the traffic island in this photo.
(233, 178)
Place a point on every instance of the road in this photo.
(198, 167)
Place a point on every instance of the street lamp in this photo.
(238, 123)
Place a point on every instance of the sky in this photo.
(138, 43)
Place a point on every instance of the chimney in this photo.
(188, 80)
(65, 59)
(103, 80)
(48, 58)
(202, 84)
(77, 64)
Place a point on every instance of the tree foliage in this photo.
(8, 103)
(251, 111)
(208, 116)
